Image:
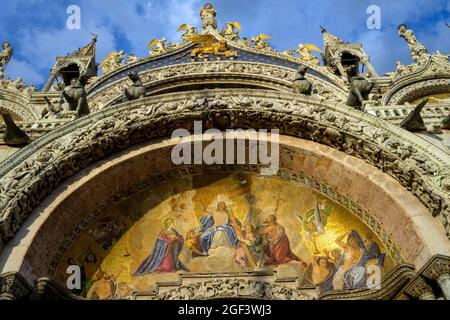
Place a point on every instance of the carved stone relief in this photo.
(28, 178)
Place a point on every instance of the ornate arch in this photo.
(18, 104)
(84, 198)
(431, 78)
(34, 172)
(240, 73)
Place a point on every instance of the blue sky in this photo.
(37, 29)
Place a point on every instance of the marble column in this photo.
(50, 81)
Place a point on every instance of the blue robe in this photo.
(152, 262)
(208, 232)
(356, 277)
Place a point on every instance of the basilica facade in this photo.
(354, 204)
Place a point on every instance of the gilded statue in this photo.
(188, 31)
(131, 58)
(258, 42)
(5, 56)
(112, 62)
(231, 31)
(418, 50)
(158, 46)
(306, 55)
(209, 46)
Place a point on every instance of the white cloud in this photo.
(40, 36)
(25, 70)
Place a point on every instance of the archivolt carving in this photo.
(266, 73)
(431, 78)
(17, 103)
(420, 89)
(31, 174)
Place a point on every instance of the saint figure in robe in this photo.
(276, 244)
(217, 230)
(165, 254)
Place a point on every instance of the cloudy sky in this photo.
(37, 29)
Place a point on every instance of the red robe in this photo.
(278, 249)
(167, 263)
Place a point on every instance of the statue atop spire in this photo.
(208, 15)
(330, 39)
(418, 51)
(5, 56)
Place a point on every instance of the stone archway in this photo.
(404, 226)
(34, 180)
(34, 172)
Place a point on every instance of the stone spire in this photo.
(89, 49)
(341, 56)
(330, 39)
(81, 61)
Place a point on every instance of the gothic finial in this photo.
(330, 39)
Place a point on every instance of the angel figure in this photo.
(131, 58)
(112, 61)
(157, 46)
(189, 31)
(314, 222)
(306, 55)
(258, 42)
(231, 30)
